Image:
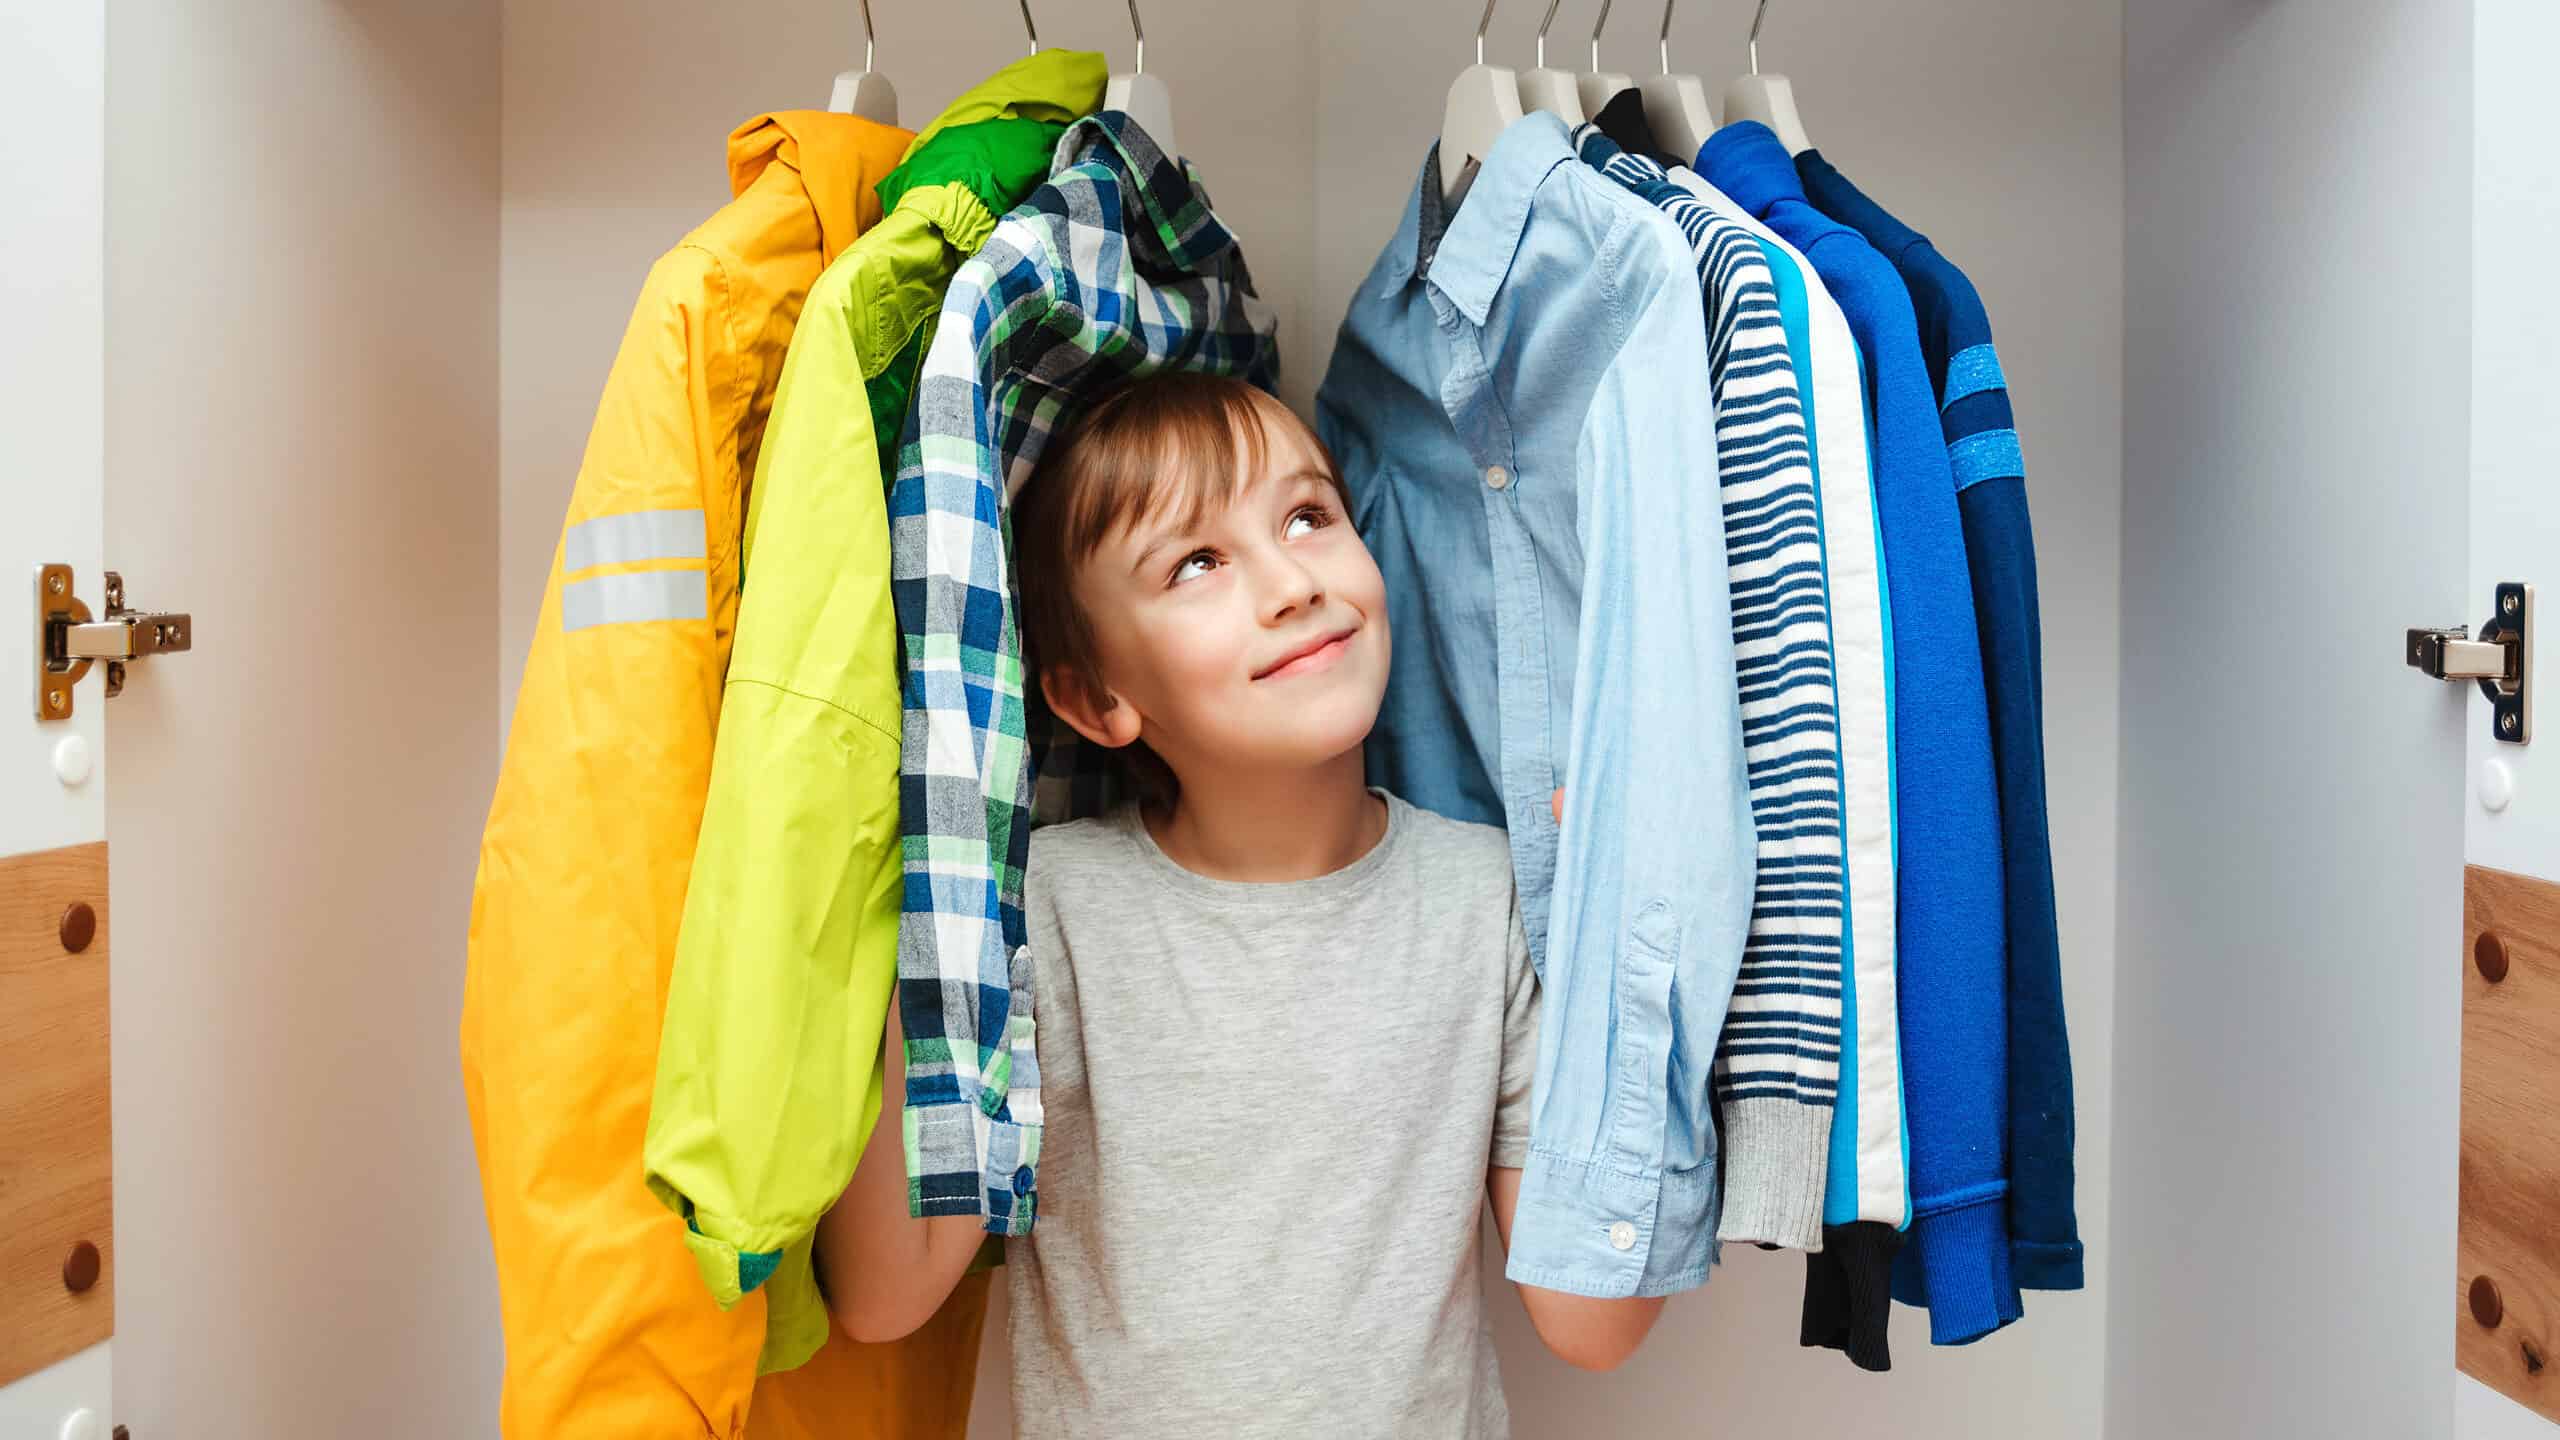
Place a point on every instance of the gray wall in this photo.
(2298, 183)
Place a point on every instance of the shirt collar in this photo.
(1163, 193)
(1748, 163)
(1467, 256)
(1597, 147)
(1868, 218)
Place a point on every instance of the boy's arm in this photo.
(885, 1272)
(1583, 1332)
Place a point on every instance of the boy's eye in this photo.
(1193, 566)
(1304, 519)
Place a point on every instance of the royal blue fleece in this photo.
(1951, 976)
(2000, 547)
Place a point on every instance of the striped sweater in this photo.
(1777, 1067)
(1867, 1180)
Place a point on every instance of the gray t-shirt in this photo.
(1269, 1112)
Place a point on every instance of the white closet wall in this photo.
(1993, 125)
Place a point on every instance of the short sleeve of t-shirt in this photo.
(1519, 1051)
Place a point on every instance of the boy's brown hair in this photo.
(1176, 442)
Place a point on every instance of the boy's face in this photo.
(1254, 639)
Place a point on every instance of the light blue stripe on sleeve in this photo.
(1987, 455)
(638, 535)
(1972, 371)
(630, 599)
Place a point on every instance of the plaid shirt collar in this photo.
(1186, 234)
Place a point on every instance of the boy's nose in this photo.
(1293, 588)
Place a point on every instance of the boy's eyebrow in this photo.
(1304, 474)
(1146, 556)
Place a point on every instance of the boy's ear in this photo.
(1096, 713)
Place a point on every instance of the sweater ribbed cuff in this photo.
(1847, 1292)
(1777, 1153)
(1963, 1259)
(2045, 1265)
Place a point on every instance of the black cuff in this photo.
(1848, 1292)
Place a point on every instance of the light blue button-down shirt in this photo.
(1520, 402)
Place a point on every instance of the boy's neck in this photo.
(1268, 827)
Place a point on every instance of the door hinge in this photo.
(2500, 661)
(69, 639)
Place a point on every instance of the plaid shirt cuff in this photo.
(980, 1154)
(961, 1161)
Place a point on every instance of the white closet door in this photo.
(54, 1368)
(301, 297)
(2338, 426)
(2515, 512)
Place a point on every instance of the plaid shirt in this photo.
(1115, 268)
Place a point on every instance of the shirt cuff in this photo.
(1585, 1229)
(731, 1257)
(1777, 1153)
(1847, 1293)
(1957, 1264)
(2046, 1265)
(962, 1161)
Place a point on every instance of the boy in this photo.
(1286, 1024)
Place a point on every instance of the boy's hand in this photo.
(1556, 803)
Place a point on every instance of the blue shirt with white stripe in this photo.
(1777, 1066)
(1991, 492)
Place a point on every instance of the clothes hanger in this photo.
(1599, 87)
(1553, 91)
(1769, 99)
(1675, 106)
(1483, 102)
(1143, 97)
(865, 92)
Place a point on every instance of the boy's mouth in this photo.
(1315, 655)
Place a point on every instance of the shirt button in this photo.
(1622, 1236)
(1022, 1179)
(1497, 477)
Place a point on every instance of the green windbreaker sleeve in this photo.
(768, 1082)
(768, 1066)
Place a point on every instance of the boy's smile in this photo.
(1316, 655)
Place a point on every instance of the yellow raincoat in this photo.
(590, 842)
